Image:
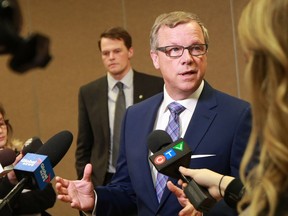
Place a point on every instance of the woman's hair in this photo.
(171, 20)
(13, 144)
(263, 35)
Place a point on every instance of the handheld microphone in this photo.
(37, 168)
(57, 146)
(168, 156)
(32, 145)
(60, 142)
(7, 157)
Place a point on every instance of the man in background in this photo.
(97, 105)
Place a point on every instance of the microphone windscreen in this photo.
(7, 157)
(56, 147)
(32, 145)
(158, 139)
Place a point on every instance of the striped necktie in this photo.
(173, 129)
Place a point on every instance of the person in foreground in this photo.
(263, 33)
(30, 202)
(179, 44)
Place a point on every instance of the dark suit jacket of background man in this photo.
(93, 120)
(220, 126)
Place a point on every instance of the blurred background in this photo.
(43, 101)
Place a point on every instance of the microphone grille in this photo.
(57, 146)
(32, 145)
(158, 139)
(7, 157)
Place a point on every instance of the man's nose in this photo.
(111, 55)
(187, 57)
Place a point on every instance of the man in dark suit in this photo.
(97, 103)
(215, 125)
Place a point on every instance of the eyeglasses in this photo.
(3, 124)
(177, 51)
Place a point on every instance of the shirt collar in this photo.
(189, 103)
(127, 80)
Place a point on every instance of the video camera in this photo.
(26, 53)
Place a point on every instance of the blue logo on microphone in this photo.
(169, 154)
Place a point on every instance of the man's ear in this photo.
(155, 59)
(130, 53)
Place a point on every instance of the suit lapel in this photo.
(138, 86)
(202, 118)
(102, 103)
(148, 124)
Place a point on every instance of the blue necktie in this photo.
(173, 129)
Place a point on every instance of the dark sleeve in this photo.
(119, 200)
(85, 137)
(5, 186)
(234, 193)
(240, 141)
(35, 201)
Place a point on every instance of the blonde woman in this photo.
(263, 32)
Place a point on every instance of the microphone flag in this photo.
(35, 167)
(168, 159)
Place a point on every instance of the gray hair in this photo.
(171, 20)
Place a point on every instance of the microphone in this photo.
(168, 156)
(60, 142)
(37, 168)
(32, 145)
(7, 157)
(57, 146)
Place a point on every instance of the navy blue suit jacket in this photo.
(220, 125)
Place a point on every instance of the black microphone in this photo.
(168, 156)
(55, 148)
(32, 145)
(37, 168)
(7, 157)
